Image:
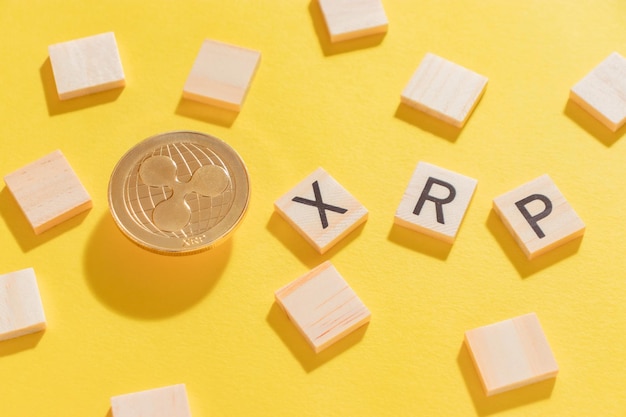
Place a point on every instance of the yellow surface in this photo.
(121, 319)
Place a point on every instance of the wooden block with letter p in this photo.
(602, 92)
(21, 311)
(168, 401)
(322, 306)
(48, 191)
(435, 201)
(350, 19)
(444, 90)
(511, 353)
(538, 216)
(321, 210)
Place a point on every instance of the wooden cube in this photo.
(321, 210)
(221, 75)
(602, 92)
(349, 19)
(168, 401)
(435, 202)
(87, 65)
(322, 306)
(444, 90)
(21, 311)
(48, 191)
(538, 216)
(511, 354)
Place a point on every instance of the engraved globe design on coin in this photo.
(179, 192)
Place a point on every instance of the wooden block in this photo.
(168, 401)
(538, 216)
(48, 191)
(21, 311)
(435, 202)
(349, 19)
(322, 306)
(321, 210)
(444, 90)
(511, 354)
(87, 65)
(602, 92)
(221, 75)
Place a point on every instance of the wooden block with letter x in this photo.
(322, 306)
(87, 65)
(435, 201)
(321, 210)
(444, 90)
(48, 191)
(221, 75)
(538, 216)
(602, 92)
(21, 311)
(350, 19)
(168, 401)
(511, 353)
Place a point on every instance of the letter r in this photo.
(439, 202)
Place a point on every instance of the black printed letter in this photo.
(439, 202)
(532, 220)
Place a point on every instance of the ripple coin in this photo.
(179, 192)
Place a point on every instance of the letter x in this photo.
(321, 206)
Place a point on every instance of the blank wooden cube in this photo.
(221, 75)
(322, 306)
(511, 353)
(321, 210)
(168, 401)
(602, 92)
(87, 65)
(48, 191)
(349, 19)
(538, 216)
(21, 311)
(435, 201)
(444, 90)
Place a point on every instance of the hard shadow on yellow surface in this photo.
(486, 406)
(526, 267)
(109, 413)
(307, 254)
(329, 48)
(427, 123)
(591, 125)
(56, 106)
(419, 242)
(22, 230)
(297, 344)
(140, 284)
(206, 113)
(20, 344)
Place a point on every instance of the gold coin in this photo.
(179, 192)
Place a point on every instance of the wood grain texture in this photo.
(307, 219)
(602, 92)
(511, 353)
(21, 310)
(444, 90)
(221, 75)
(322, 306)
(168, 401)
(560, 225)
(350, 19)
(435, 201)
(48, 191)
(86, 65)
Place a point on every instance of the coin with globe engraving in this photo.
(179, 192)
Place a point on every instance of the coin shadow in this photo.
(141, 284)
(57, 106)
(206, 113)
(300, 349)
(22, 230)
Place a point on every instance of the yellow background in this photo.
(121, 319)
